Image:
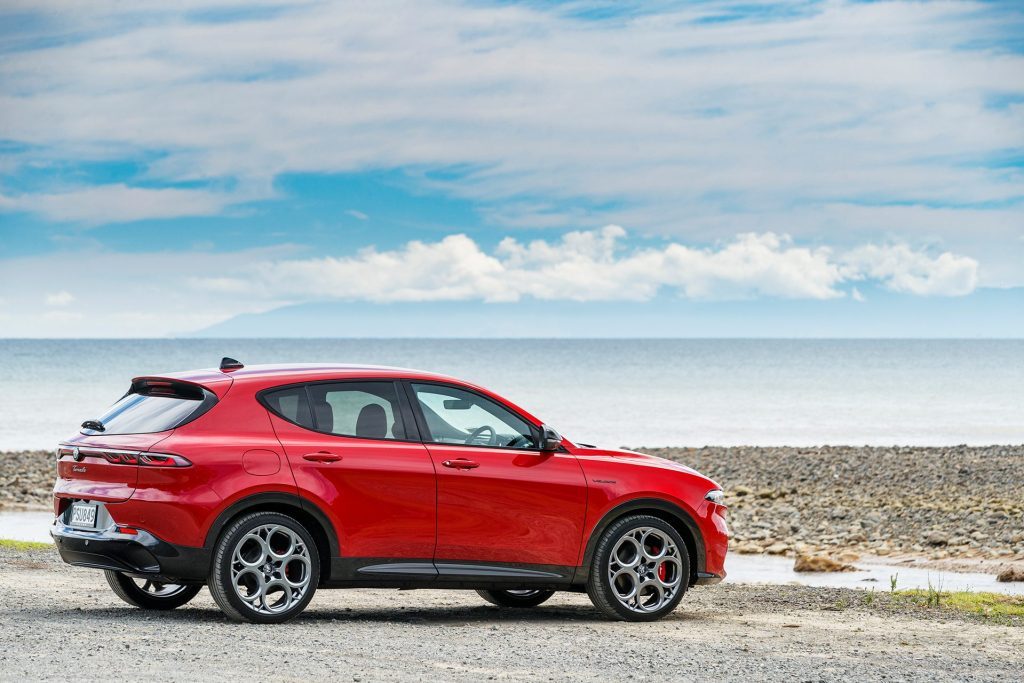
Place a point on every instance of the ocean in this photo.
(609, 392)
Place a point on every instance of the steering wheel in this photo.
(519, 441)
(492, 440)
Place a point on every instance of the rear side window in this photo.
(153, 406)
(368, 410)
(291, 404)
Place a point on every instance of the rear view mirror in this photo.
(550, 440)
(458, 404)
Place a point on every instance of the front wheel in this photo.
(640, 570)
(148, 594)
(265, 569)
(516, 598)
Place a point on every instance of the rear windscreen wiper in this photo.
(94, 425)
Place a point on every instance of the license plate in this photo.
(83, 515)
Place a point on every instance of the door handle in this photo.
(321, 456)
(461, 464)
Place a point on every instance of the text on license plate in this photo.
(83, 515)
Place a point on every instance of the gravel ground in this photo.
(959, 502)
(58, 622)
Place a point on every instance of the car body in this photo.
(384, 479)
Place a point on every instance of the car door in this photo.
(353, 452)
(500, 500)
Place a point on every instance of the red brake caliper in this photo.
(661, 571)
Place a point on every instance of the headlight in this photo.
(717, 497)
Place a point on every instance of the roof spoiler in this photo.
(229, 364)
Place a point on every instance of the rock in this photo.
(838, 513)
(936, 538)
(820, 563)
(742, 491)
(746, 548)
(1011, 573)
(777, 548)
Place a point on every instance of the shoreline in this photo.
(954, 508)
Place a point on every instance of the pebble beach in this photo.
(941, 503)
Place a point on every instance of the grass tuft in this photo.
(24, 545)
(984, 604)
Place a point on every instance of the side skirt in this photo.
(373, 572)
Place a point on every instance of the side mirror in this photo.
(550, 440)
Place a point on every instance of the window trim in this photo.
(424, 430)
(408, 425)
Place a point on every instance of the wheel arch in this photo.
(306, 512)
(674, 515)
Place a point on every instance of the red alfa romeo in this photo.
(267, 483)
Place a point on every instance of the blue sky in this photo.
(165, 170)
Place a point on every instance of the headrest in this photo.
(372, 422)
(324, 416)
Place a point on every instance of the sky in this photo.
(762, 166)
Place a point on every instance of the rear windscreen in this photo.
(154, 407)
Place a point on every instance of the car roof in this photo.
(302, 372)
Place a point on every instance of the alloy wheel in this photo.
(271, 569)
(644, 569)
(158, 589)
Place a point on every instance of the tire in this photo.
(265, 568)
(651, 566)
(516, 598)
(151, 594)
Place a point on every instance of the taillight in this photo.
(125, 457)
(122, 458)
(163, 460)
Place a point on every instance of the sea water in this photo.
(607, 392)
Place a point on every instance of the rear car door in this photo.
(353, 453)
(500, 500)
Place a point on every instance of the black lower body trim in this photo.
(369, 572)
(141, 554)
(706, 579)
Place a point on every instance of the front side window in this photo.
(369, 410)
(455, 416)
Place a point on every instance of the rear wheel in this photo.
(516, 598)
(640, 570)
(265, 568)
(148, 594)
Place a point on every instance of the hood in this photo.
(640, 459)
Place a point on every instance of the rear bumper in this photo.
(141, 554)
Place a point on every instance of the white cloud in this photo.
(119, 203)
(903, 270)
(358, 215)
(61, 298)
(593, 266)
(177, 292)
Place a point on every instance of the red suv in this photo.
(266, 483)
